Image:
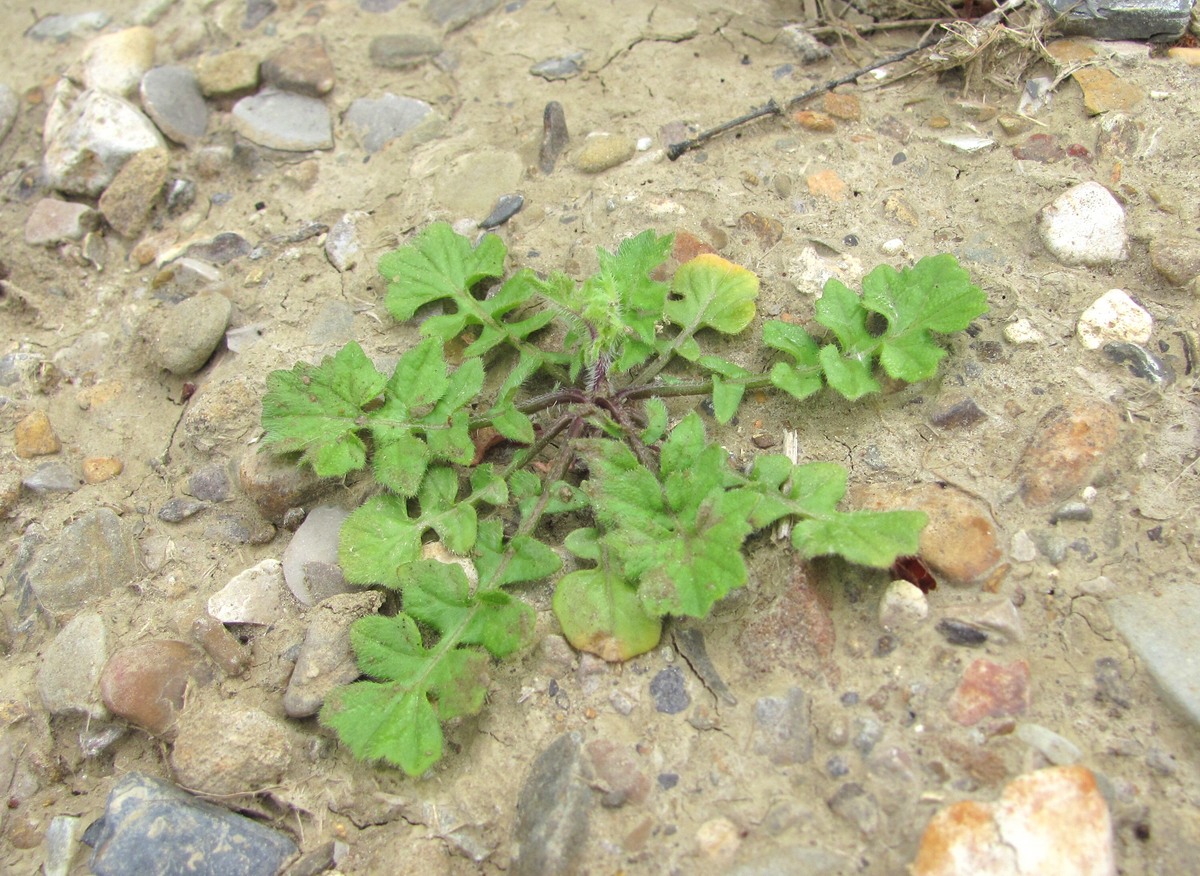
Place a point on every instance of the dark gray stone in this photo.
(553, 811)
(854, 804)
(171, 98)
(221, 250)
(554, 136)
(179, 508)
(210, 484)
(52, 477)
(783, 728)
(565, 67)
(506, 207)
(150, 826)
(1159, 20)
(89, 558)
(669, 690)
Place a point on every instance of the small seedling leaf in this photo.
(711, 292)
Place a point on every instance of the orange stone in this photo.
(990, 690)
(1066, 51)
(811, 120)
(1188, 55)
(97, 469)
(843, 106)
(1062, 454)
(687, 246)
(768, 231)
(1104, 92)
(34, 436)
(827, 184)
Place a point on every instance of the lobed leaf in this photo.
(438, 263)
(711, 292)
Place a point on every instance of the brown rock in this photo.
(34, 436)
(52, 221)
(898, 210)
(687, 246)
(769, 231)
(1104, 92)
(222, 749)
(1049, 821)
(146, 683)
(827, 184)
(1176, 259)
(991, 690)
(277, 485)
(810, 120)
(302, 66)
(1063, 453)
(794, 633)
(616, 773)
(98, 469)
(843, 106)
(127, 201)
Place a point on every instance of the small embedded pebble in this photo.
(222, 748)
(61, 838)
(98, 469)
(326, 659)
(1042, 148)
(797, 38)
(222, 648)
(996, 617)
(71, 665)
(377, 122)
(903, 606)
(285, 121)
(669, 690)
(553, 811)
(990, 690)
(90, 557)
(62, 27)
(1022, 332)
(617, 773)
(51, 477)
(172, 98)
(128, 199)
(398, 51)
(1080, 511)
(1085, 225)
(1114, 316)
(52, 222)
(564, 67)
(221, 249)
(302, 66)
(783, 728)
(1177, 259)
(854, 804)
(1142, 363)
(506, 207)
(115, 62)
(146, 683)
(35, 436)
(227, 73)
(958, 633)
(258, 595)
(601, 151)
(718, 839)
(1111, 686)
(1057, 749)
(1064, 450)
(316, 541)
(554, 136)
(210, 483)
(276, 485)
(960, 415)
(341, 244)
(183, 337)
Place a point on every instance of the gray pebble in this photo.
(171, 98)
(61, 837)
(150, 826)
(71, 665)
(553, 811)
(1111, 686)
(326, 659)
(1142, 363)
(210, 484)
(60, 28)
(554, 136)
(837, 766)
(782, 728)
(803, 43)
(867, 733)
(378, 6)
(376, 122)
(398, 51)
(957, 632)
(257, 12)
(183, 337)
(257, 595)
(239, 529)
(564, 67)
(1080, 511)
(854, 804)
(1055, 748)
(88, 559)
(181, 194)
(280, 120)
(506, 207)
(52, 222)
(9, 105)
(341, 244)
(453, 14)
(52, 477)
(316, 541)
(961, 415)
(179, 508)
(669, 690)
(1162, 632)
(221, 250)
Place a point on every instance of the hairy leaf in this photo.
(438, 263)
(711, 292)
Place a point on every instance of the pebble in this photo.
(1114, 316)
(506, 207)
(783, 728)
(61, 837)
(128, 199)
(563, 67)
(98, 469)
(285, 121)
(903, 606)
(116, 62)
(51, 477)
(1042, 148)
(61, 28)
(326, 659)
(1055, 748)
(183, 277)
(223, 749)
(172, 98)
(615, 774)
(316, 541)
(1161, 630)
(91, 557)
(400, 51)
(277, 485)
(10, 104)
(601, 151)
(150, 826)
(1085, 225)
(182, 337)
(553, 811)
(669, 690)
(797, 38)
(341, 244)
(554, 136)
(258, 595)
(1064, 450)
(853, 803)
(52, 222)
(1111, 686)
(718, 839)
(453, 14)
(88, 139)
(1104, 91)
(960, 415)
(227, 73)
(958, 632)
(997, 616)
(180, 508)
(301, 66)
(811, 120)
(210, 483)
(222, 249)
(34, 435)
(990, 690)
(375, 123)
(1053, 820)
(826, 184)
(146, 683)
(70, 672)
(1022, 332)
(221, 647)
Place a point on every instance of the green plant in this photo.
(660, 518)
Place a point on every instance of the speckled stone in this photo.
(70, 671)
(225, 749)
(1085, 225)
(35, 436)
(127, 201)
(991, 690)
(1069, 442)
(399, 51)
(89, 558)
(183, 337)
(302, 66)
(52, 222)
(231, 72)
(602, 151)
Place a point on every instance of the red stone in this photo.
(146, 683)
(991, 690)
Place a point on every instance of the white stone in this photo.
(1114, 316)
(1022, 548)
(316, 541)
(1022, 332)
(256, 596)
(1057, 749)
(903, 606)
(116, 62)
(1085, 225)
(968, 143)
(88, 139)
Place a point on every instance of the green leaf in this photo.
(849, 375)
(522, 558)
(713, 293)
(439, 595)
(840, 310)
(868, 538)
(376, 539)
(317, 410)
(438, 263)
(487, 486)
(656, 420)
(511, 423)
(600, 613)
